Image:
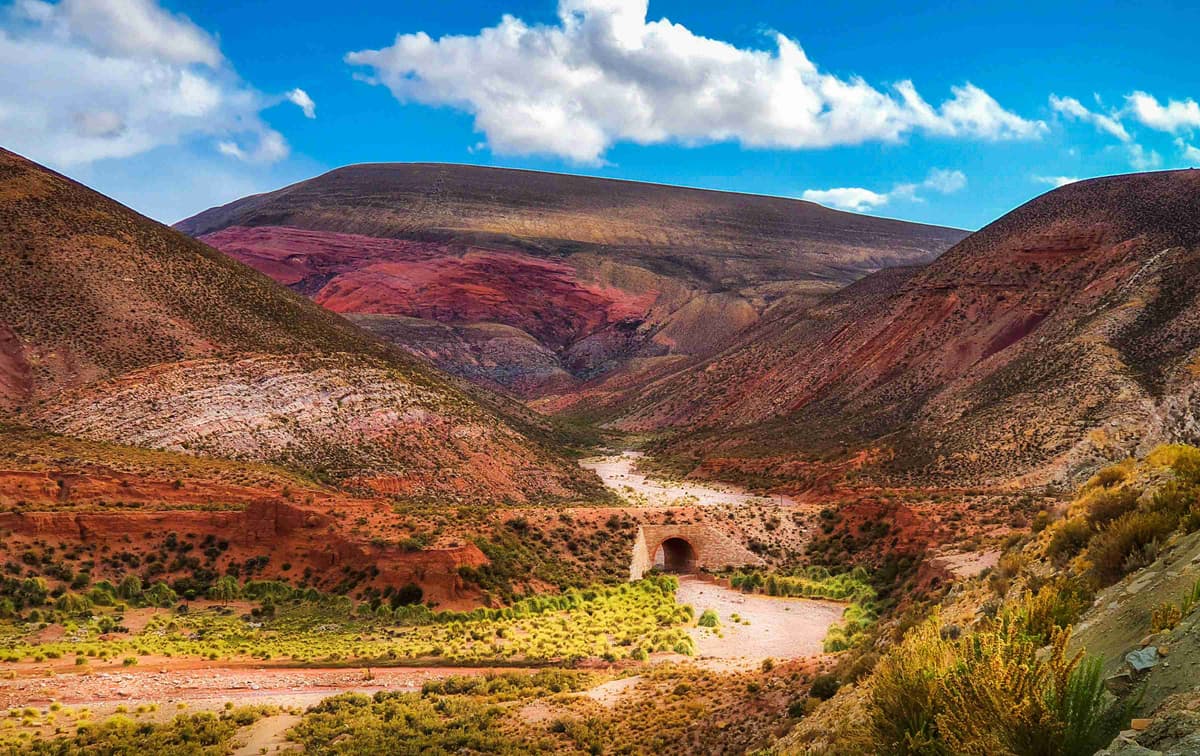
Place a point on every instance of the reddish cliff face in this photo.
(595, 276)
(1059, 334)
(300, 537)
(348, 273)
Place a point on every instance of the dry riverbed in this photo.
(619, 472)
(765, 626)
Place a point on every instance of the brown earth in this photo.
(595, 273)
(1059, 336)
(104, 312)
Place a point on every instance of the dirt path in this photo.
(618, 473)
(211, 687)
(778, 628)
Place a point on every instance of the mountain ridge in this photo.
(99, 300)
(642, 270)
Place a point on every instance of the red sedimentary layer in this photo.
(448, 283)
(299, 536)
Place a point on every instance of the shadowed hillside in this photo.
(1063, 333)
(536, 282)
(116, 328)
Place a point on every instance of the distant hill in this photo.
(116, 328)
(537, 282)
(1064, 333)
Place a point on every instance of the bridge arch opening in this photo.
(676, 555)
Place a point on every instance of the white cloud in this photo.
(1056, 181)
(1074, 109)
(847, 198)
(130, 29)
(1189, 152)
(270, 148)
(1142, 159)
(1175, 116)
(946, 181)
(857, 199)
(89, 80)
(300, 99)
(605, 74)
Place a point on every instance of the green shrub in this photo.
(1068, 538)
(1106, 505)
(708, 619)
(824, 687)
(1127, 544)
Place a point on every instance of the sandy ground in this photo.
(267, 735)
(779, 628)
(210, 687)
(618, 473)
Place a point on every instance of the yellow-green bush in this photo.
(987, 692)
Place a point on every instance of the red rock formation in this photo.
(300, 536)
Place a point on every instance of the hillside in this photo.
(537, 282)
(118, 329)
(1058, 336)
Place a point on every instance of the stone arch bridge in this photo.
(686, 548)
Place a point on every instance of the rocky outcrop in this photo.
(296, 536)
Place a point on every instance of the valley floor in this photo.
(751, 628)
(619, 472)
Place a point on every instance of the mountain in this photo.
(538, 282)
(1065, 333)
(116, 328)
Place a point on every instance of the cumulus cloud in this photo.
(300, 99)
(1074, 109)
(1174, 117)
(604, 73)
(847, 198)
(88, 80)
(858, 199)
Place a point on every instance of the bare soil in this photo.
(768, 626)
(619, 472)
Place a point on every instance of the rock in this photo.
(1119, 684)
(1186, 747)
(1125, 745)
(1142, 659)
(1140, 724)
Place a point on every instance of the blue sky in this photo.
(174, 106)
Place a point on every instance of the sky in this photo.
(950, 113)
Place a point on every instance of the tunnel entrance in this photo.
(675, 555)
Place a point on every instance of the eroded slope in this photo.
(597, 273)
(119, 329)
(1063, 333)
